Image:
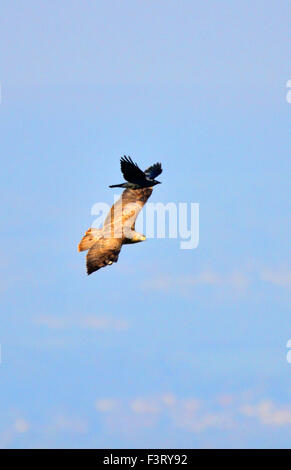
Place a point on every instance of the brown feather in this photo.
(105, 244)
(102, 253)
(90, 237)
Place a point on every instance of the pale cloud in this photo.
(106, 404)
(169, 399)
(21, 425)
(225, 400)
(51, 321)
(236, 281)
(191, 405)
(267, 413)
(279, 278)
(192, 415)
(92, 322)
(206, 421)
(167, 283)
(104, 323)
(146, 406)
(71, 424)
(189, 413)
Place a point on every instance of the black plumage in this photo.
(135, 177)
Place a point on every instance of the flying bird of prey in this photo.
(135, 177)
(104, 244)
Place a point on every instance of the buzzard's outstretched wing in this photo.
(105, 251)
(90, 237)
(105, 244)
(124, 212)
(131, 172)
(153, 171)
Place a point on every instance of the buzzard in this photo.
(104, 244)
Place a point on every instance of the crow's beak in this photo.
(158, 182)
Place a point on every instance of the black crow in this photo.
(135, 177)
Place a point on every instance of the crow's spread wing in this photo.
(130, 170)
(153, 171)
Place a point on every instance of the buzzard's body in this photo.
(104, 244)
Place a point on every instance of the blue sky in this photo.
(170, 347)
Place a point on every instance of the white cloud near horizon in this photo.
(146, 406)
(19, 426)
(280, 278)
(189, 414)
(237, 281)
(192, 414)
(70, 424)
(267, 413)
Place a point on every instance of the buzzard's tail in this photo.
(90, 237)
